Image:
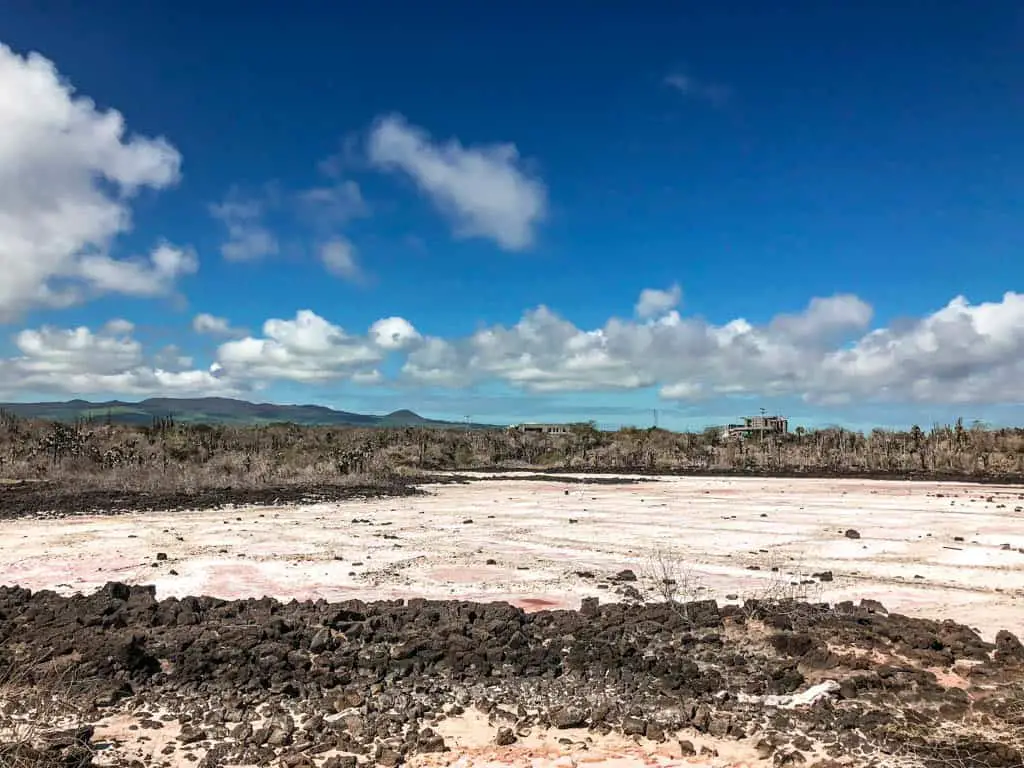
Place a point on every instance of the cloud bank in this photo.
(826, 353)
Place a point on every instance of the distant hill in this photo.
(219, 410)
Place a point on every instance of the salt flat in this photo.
(940, 550)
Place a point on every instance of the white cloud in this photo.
(77, 361)
(248, 238)
(437, 363)
(333, 205)
(118, 327)
(484, 191)
(827, 353)
(682, 390)
(962, 353)
(392, 333)
(338, 256)
(212, 325)
(172, 358)
(306, 349)
(155, 276)
(654, 302)
(67, 175)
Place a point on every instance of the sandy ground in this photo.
(471, 741)
(926, 549)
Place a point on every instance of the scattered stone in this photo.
(568, 717)
(633, 726)
(852, 533)
(789, 757)
(824, 576)
(625, 575)
(1009, 649)
(161, 556)
(505, 737)
(872, 606)
(322, 641)
(655, 732)
(190, 735)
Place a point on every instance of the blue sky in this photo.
(821, 203)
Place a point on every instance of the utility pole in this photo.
(654, 412)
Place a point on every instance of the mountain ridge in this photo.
(220, 410)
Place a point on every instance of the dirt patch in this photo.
(23, 499)
(538, 603)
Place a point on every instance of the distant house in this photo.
(543, 429)
(757, 426)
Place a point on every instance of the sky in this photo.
(680, 212)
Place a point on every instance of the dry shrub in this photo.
(674, 581)
(169, 456)
(41, 723)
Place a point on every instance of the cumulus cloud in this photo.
(68, 173)
(79, 362)
(484, 191)
(825, 353)
(394, 333)
(963, 353)
(654, 302)
(338, 256)
(248, 238)
(306, 349)
(118, 326)
(154, 276)
(212, 325)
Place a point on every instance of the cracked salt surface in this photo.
(926, 549)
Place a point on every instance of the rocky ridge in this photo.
(339, 684)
